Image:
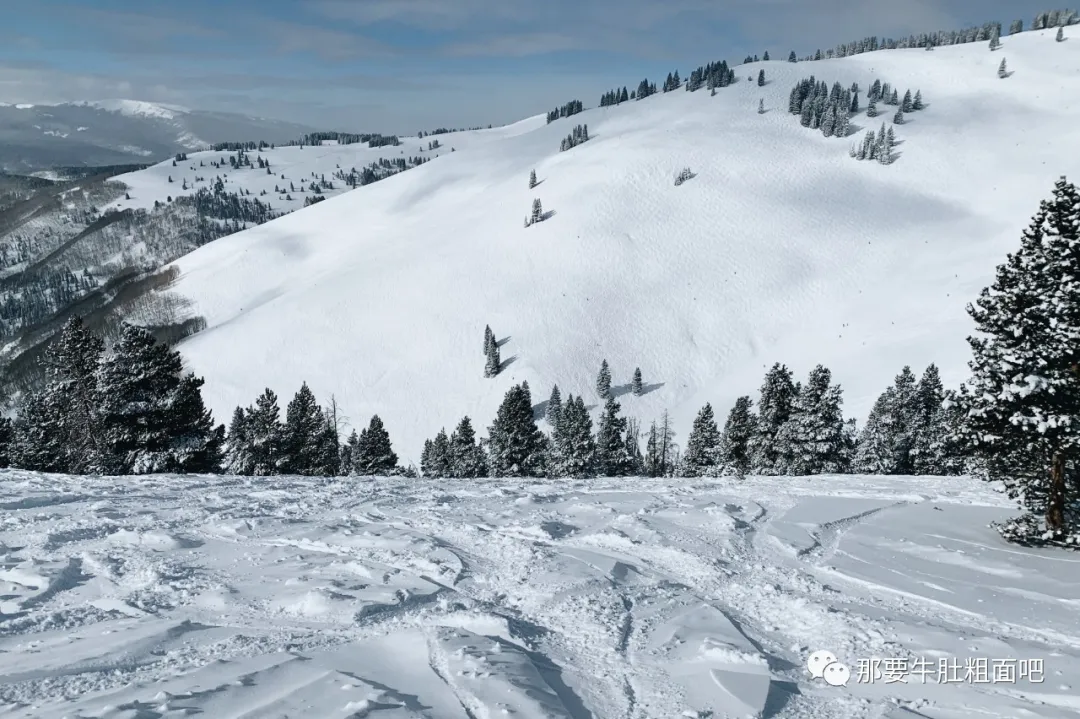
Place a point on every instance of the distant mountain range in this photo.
(34, 138)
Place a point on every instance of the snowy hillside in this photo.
(167, 597)
(782, 248)
(295, 163)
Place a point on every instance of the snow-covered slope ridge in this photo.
(782, 248)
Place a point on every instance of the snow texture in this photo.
(168, 596)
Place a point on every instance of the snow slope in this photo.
(152, 184)
(783, 248)
(396, 599)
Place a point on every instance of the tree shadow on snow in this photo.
(538, 183)
(547, 215)
(507, 362)
(624, 389)
(503, 341)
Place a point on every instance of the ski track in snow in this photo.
(604, 599)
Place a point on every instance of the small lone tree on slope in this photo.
(493, 363)
(1003, 72)
(532, 179)
(635, 383)
(603, 380)
(1060, 35)
(761, 77)
(537, 212)
(761, 106)
(1024, 394)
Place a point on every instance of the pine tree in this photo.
(765, 57)
(265, 435)
(573, 450)
(930, 443)
(898, 118)
(813, 440)
(603, 380)
(1003, 72)
(735, 439)
(467, 459)
(435, 459)
(1060, 34)
(515, 444)
(611, 457)
(908, 104)
(308, 447)
(761, 106)
(348, 453)
(554, 407)
(778, 394)
(761, 77)
(854, 108)
(238, 456)
(59, 428)
(152, 418)
(791, 57)
(1024, 392)
(702, 455)
(537, 212)
(995, 39)
(489, 339)
(887, 440)
(633, 448)
(374, 452)
(532, 179)
(494, 362)
(635, 383)
(871, 109)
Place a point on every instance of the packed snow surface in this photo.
(782, 249)
(607, 599)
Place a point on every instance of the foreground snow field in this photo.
(609, 599)
(782, 249)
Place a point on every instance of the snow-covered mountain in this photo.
(782, 248)
(115, 132)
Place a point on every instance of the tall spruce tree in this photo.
(611, 457)
(493, 363)
(633, 447)
(435, 459)
(467, 458)
(489, 339)
(774, 408)
(636, 385)
(515, 444)
(1024, 393)
(59, 428)
(813, 439)
(735, 439)
(573, 450)
(554, 407)
(532, 179)
(306, 446)
(374, 452)
(702, 456)
(265, 435)
(761, 77)
(238, 455)
(153, 418)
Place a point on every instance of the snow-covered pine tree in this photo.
(59, 428)
(1003, 71)
(875, 451)
(238, 458)
(1016, 26)
(554, 407)
(813, 439)
(917, 102)
(702, 456)
(435, 459)
(908, 103)
(1060, 35)
(871, 108)
(573, 450)
(303, 450)
(806, 114)
(735, 439)
(791, 57)
(489, 339)
(603, 380)
(930, 443)
(515, 444)
(611, 457)
(778, 394)
(537, 212)
(761, 77)
(635, 383)
(898, 118)
(152, 417)
(532, 179)
(761, 106)
(995, 39)
(842, 126)
(348, 453)
(494, 361)
(467, 458)
(265, 435)
(374, 453)
(854, 107)
(828, 123)
(765, 57)
(1024, 392)
(633, 447)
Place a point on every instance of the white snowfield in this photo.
(782, 249)
(281, 597)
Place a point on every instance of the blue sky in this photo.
(403, 65)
